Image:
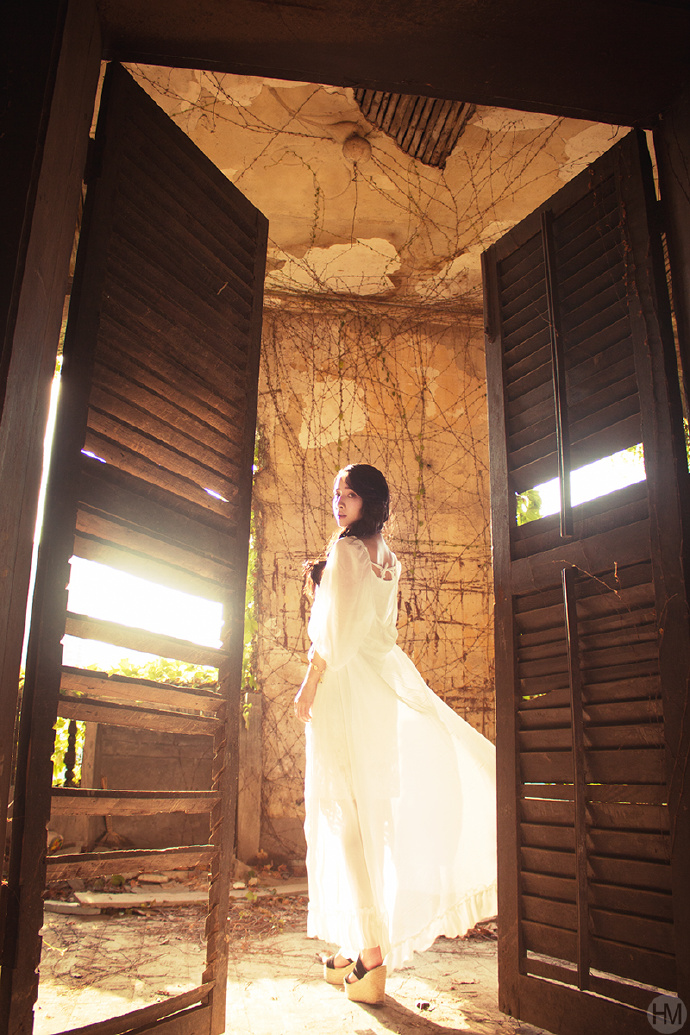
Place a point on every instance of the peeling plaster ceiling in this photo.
(348, 210)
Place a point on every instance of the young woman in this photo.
(399, 790)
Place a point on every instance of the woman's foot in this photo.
(371, 959)
(336, 968)
(367, 984)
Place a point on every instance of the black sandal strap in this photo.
(360, 970)
(330, 963)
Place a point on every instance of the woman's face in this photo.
(347, 505)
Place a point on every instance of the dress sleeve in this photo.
(343, 611)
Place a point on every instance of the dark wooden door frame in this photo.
(54, 140)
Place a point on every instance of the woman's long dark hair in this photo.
(370, 484)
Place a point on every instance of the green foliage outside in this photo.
(528, 506)
(251, 623)
(166, 670)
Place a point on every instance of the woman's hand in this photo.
(305, 696)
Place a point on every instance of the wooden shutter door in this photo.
(152, 474)
(592, 641)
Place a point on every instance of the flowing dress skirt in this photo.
(400, 813)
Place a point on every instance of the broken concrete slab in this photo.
(69, 908)
(130, 899)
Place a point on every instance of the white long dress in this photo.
(399, 791)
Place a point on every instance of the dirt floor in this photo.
(98, 966)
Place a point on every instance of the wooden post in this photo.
(48, 152)
(58, 140)
(249, 796)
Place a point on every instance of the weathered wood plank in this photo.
(138, 269)
(669, 505)
(642, 765)
(635, 873)
(510, 947)
(571, 1011)
(637, 964)
(547, 861)
(623, 507)
(181, 410)
(131, 500)
(550, 812)
(607, 429)
(632, 844)
(200, 259)
(595, 442)
(631, 901)
(144, 691)
(542, 835)
(630, 817)
(547, 911)
(512, 259)
(547, 886)
(120, 546)
(140, 639)
(598, 554)
(136, 1020)
(546, 767)
(610, 794)
(148, 415)
(532, 397)
(544, 719)
(132, 459)
(594, 373)
(105, 864)
(554, 700)
(549, 940)
(148, 338)
(644, 710)
(87, 801)
(185, 175)
(140, 342)
(618, 991)
(86, 710)
(546, 739)
(601, 766)
(625, 736)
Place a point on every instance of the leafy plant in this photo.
(165, 670)
(528, 506)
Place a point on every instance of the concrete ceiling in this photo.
(349, 211)
(620, 61)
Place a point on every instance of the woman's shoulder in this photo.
(379, 553)
(349, 547)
